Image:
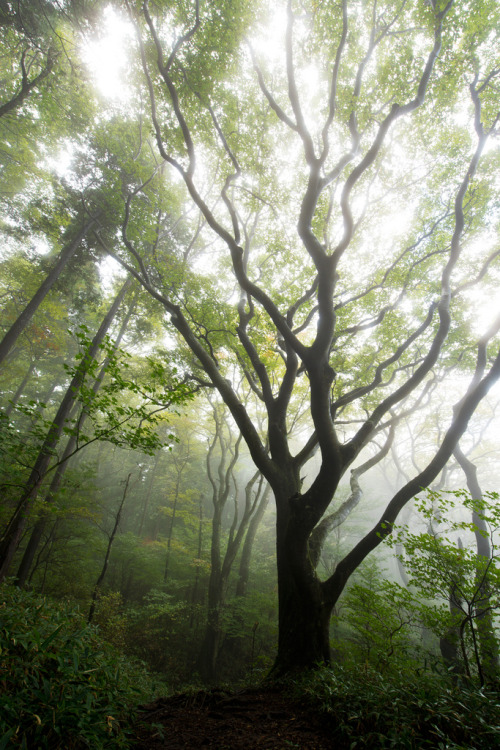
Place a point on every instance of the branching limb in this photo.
(337, 518)
(27, 86)
(335, 584)
(272, 101)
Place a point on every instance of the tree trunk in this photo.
(488, 643)
(37, 533)
(12, 535)
(449, 644)
(304, 614)
(194, 592)
(25, 317)
(171, 529)
(304, 632)
(99, 581)
(148, 492)
(17, 395)
(246, 553)
(207, 660)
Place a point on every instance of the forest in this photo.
(249, 365)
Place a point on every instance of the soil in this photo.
(249, 720)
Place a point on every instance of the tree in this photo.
(26, 315)
(98, 584)
(328, 160)
(455, 579)
(318, 242)
(12, 534)
(223, 552)
(133, 425)
(488, 643)
(69, 450)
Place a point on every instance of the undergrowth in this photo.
(407, 712)
(60, 685)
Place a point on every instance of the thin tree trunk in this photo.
(246, 552)
(147, 496)
(174, 511)
(194, 592)
(17, 395)
(488, 642)
(99, 581)
(37, 533)
(25, 317)
(17, 523)
(48, 543)
(221, 486)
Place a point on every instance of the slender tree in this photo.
(102, 574)
(69, 450)
(484, 620)
(224, 453)
(12, 534)
(24, 318)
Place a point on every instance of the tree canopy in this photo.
(309, 194)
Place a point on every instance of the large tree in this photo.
(371, 141)
(341, 200)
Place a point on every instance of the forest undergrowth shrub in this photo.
(61, 686)
(378, 624)
(162, 633)
(371, 710)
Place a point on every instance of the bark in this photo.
(217, 582)
(450, 642)
(305, 603)
(304, 613)
(180, 466)
(246, 552)
(25, 317)
(194, 591)
(12, 535)
(147, 496)
(222, 561)
(27, 86)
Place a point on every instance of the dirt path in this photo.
(250, 720)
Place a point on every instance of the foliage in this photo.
(122, 411)
(406, 711)
(332, 330)
(61, 685)
(376, 623)
(454, 585)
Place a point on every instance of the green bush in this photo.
(370, 710)
(60, 686)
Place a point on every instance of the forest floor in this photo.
(249, 720)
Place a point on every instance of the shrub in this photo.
(370, 710)
(60, 685)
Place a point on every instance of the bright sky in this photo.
(106, 57)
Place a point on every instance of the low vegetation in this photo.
(421, 710)
(61, 686)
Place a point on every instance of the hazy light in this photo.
(106, 57)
